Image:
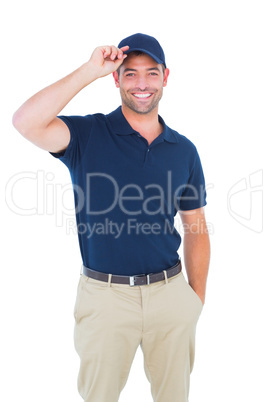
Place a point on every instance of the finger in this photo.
(113, 52)
(107, 51)
(124, 48)
(120, 54)
(118, 61)
(116, 53)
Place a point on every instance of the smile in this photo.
(142, 96)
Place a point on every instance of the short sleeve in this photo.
(80, 128)
(194, 193)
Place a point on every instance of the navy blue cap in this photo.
(146, 44)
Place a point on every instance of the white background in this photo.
(217, 97)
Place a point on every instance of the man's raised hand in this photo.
(106, 59)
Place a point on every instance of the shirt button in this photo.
(148, 150)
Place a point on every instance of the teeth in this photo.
(142, 95)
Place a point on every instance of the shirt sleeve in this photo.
(80, 128)
(194, 194)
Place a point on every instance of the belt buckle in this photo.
(132, 279)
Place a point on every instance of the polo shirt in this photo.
(127, 192)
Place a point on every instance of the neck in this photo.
(146, 124)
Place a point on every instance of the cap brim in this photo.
(159, 61)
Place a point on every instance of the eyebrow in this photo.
(148, 69)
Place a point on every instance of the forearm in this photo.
(38, 111)
(196, 257)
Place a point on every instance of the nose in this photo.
(142, 83)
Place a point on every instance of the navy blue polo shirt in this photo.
(127, 192)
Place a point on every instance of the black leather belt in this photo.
(136, 280)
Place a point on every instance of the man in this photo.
(131, 174)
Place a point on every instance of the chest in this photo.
(128, 174)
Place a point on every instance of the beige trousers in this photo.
(112, 320)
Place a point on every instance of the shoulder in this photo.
(97, 118)
(182, 141)
(84, 123)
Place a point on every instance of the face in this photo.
(141, 81)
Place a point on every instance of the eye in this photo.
(130, 75)
(153, 73)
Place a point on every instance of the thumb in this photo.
(118, 62)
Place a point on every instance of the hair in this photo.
(139, 53)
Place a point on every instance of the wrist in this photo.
(88, 73)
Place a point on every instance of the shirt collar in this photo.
(121, 126)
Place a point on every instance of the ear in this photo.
(116, 79)
(166, 77)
